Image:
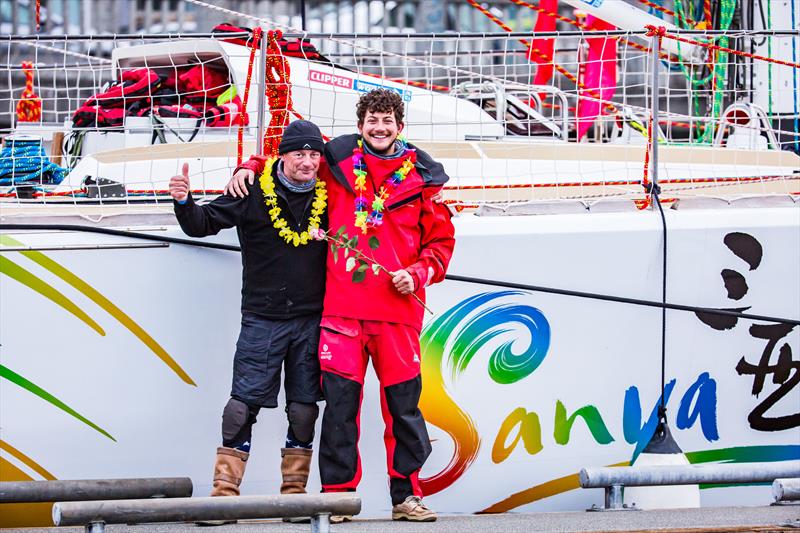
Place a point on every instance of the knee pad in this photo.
(302, 417)
(237, 416)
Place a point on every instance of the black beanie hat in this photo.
(301, 135)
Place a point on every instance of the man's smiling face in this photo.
(380, 130)
(301, 166)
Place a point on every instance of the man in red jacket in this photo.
(379, 186)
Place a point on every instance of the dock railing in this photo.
(94, 489)
(614, 479)
(96, 514)
(786, 490)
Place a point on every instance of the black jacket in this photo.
(279, 280)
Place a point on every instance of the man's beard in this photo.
(388, 151)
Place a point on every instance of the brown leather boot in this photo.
(295, 465)
(228, 473)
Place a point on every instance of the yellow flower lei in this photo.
(278, 222)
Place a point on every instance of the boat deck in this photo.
(630, 191)
(709, 519)
(121, 213)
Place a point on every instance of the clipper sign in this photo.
(357, 85)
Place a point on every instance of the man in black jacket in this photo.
(283, 285)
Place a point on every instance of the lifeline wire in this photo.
(449, 277)
(663, 408)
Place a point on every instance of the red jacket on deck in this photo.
(416, 234)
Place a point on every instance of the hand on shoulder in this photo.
(238, 184)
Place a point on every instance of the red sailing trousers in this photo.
(344, 347)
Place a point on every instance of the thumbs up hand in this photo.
(179, 185)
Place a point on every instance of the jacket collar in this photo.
(341, 148)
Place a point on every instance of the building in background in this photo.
(157, 16)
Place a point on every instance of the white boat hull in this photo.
(141, 418)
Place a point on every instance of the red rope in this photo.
(29, 107)
(413, 83)
(618, 183)
(549, 13)
(609, 107)
(645, 176)
(686, 125)
(657, 7)
(301, 117)
(657, 32)
(722, 181)
(661, 31)
(564, 72)
(488, 14)
(669, 12)
(279, 93)
(707, 11)
(646, 202)
(556, 106)
(243, 111)
(38, 14)
(582, 26)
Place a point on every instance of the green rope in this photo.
(693, 82)
(717, 76)
(720, 68)
(769, 64)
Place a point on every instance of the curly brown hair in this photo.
(380, 101)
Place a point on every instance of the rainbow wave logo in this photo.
(493, 321)
(452, 341)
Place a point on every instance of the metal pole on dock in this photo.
(644, 476)
(317, 506)
(262, 92)
(614, 479)
(786, 489)
(94, 489)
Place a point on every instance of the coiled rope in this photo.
(24, 160)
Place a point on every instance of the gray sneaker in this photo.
(413, 510)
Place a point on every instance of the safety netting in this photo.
(576, 109)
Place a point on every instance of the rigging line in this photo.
(620, 299)
(582, 26)
(65, 52)
(663, 296)
(794, 79)
(350, 43)
(654, 189)
(355, 45)
(611, 108)
(120, 233)
(449, 277)
(415, 36)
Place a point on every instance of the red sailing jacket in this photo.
(416, 234)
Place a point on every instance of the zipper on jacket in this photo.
(404, 201)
